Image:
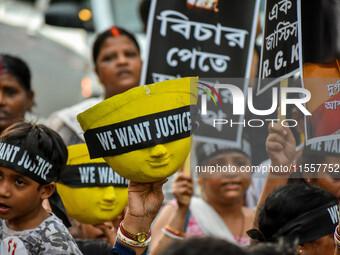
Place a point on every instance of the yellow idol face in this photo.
(151, 164)
(93, 205)
(162, 160)
(159, 161)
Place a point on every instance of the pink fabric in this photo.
(194, 230)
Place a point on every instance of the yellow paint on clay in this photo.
(154, 163)
(91, 205)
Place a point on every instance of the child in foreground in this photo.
(31, 157)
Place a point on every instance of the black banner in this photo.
(91, 175)
(190, 40)
(320, 21)
(217, 121)
(280, 47)
(198, 38)
(325, 148)
(139, 133)
(21, 160)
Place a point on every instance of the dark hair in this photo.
(144, 9)
(205, 152)
(18, 68)
(39, 139)
(93, 246)
(216, 246)
(204, 245)
(287, 203)
(279, 248)
(108, 33)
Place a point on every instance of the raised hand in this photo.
(145, 200)
(183, 189)
(280, 145)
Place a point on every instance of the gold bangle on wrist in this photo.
(139, 237)
(123, 238)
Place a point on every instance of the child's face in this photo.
(20, 199)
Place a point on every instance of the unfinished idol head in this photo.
(144, 134)
(92, 191)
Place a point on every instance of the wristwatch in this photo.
(140, 237)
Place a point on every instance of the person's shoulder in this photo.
(85, 104)
(77, 108)
(53, 226)
(55, 238)
(65, 121)
(1, 227)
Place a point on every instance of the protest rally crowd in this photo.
(55, 199)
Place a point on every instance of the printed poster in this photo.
(321, 72)
(280, 47)
(210, 39)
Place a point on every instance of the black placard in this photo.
(280, 47)
(188, 38)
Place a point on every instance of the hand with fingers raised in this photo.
(280, 145)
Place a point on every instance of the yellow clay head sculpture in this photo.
(90, 190)
(144, 133)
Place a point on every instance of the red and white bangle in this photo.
(337, 237)
(123, 237)
(169, 232)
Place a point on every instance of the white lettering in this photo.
(84, 174)
(122, 136)
(334, 213)
(266, 71)
(296, 101)
(103, 140)
(102, 171)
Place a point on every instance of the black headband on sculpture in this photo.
(141, 132)
(91, 175)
